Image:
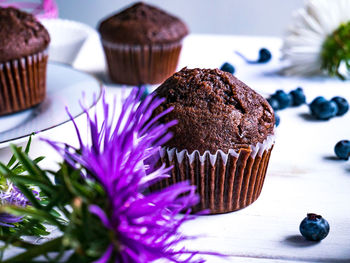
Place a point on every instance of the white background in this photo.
(242, 17)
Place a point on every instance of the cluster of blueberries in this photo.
(281, 100)
(324, 109)
(320, 108)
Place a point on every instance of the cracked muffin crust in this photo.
(215, 111)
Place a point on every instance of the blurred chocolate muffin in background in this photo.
(142, 44)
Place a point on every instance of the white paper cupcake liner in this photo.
(226, 182)
(259, 149)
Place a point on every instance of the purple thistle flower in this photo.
(11, 196)
(145, 225)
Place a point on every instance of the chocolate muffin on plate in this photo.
(223, 140)
(23, 60)
(142, 44)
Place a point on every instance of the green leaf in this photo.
(13, 158)
(28, 145)
(38, 214)
(12, 161)
(39, 232)
(29, 165)
(38, 159)
(55, 213)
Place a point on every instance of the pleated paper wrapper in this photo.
(22, 83)
(141, 64)
(226, 182)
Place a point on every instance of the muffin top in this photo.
(142, 24)
(215, 111)
(20, 34)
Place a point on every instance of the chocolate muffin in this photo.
(142, 44)
(23, 60)
(223, 139)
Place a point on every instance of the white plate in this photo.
(67, 38)
(65, 88)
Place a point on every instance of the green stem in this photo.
(36, 251)
(16, 242)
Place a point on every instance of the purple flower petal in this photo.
(101, 214)
(121, 158)
(7, 219)
(106, 256)
(12, 196)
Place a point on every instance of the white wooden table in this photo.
(302, 177)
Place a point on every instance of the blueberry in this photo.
(314, 227)
(273, 103)
(228, 68)
(314, 104)
(264, 55)
(325, 110)
(342, 149)
(298, 97)
(277, 120)
(284, 99)
(343, 105)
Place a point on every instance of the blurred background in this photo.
(249, 17)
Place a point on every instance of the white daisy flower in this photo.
(318, 40)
